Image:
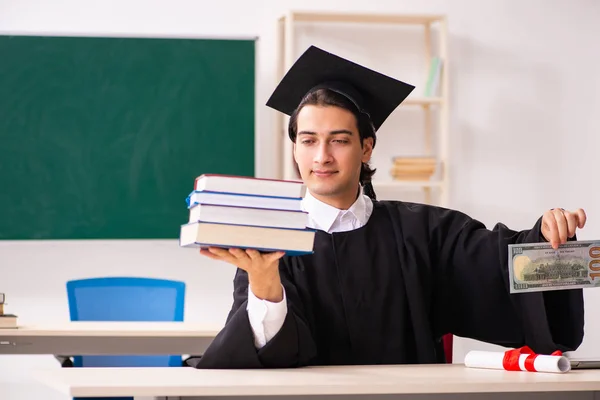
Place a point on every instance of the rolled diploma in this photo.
(493, 360)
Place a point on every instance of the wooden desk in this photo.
(101, 338)
(363, 381)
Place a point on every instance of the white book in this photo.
(205, 234)
(250, 186)
(248, 216)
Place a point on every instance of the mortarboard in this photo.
(373, 93)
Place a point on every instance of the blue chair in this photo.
(126, 299)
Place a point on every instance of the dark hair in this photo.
(326, 97)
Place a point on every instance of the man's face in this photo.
(329, 153)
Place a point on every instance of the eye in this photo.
(307, 141)
(341, 141)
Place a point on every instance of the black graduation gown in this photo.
(387, 292)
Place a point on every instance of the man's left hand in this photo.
(558, 225)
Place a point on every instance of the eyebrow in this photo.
(335, 132)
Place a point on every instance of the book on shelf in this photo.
(433, 77)
(266, 239)
(413, 168)
(250, 186)
(413, 160)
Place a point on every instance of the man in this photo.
(387, 279)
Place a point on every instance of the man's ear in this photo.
(294, 152)
(367, 149)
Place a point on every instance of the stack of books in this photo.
(413, 168)
(247, 213)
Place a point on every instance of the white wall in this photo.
(524, 125)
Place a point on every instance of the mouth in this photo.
(323, 174)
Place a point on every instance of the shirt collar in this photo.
(323, 216)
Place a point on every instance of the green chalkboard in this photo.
(101, 138)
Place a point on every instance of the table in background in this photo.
(104, 338)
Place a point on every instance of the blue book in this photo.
(243, 200)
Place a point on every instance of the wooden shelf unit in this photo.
(286, 25)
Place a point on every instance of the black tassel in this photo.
(369, 191)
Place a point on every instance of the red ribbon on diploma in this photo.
(511, 359)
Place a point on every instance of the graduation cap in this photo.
(371, 92)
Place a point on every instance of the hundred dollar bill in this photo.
(535, 267)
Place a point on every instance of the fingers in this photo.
(218, 254)
(561, 223)
(551, 231)
(558, 225)
(249, 259)
(272, 257)
(232, 256)
(239, 254)
(208, 254)
(268, 257)
(581, 218)
(253, 254)
(219, 251)
(571, 223)
(575, 219)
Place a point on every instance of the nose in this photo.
(323, 154)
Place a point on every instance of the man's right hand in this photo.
(262, 269)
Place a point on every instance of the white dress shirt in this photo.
(266, 318)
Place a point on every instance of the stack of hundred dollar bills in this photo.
(537, 267)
